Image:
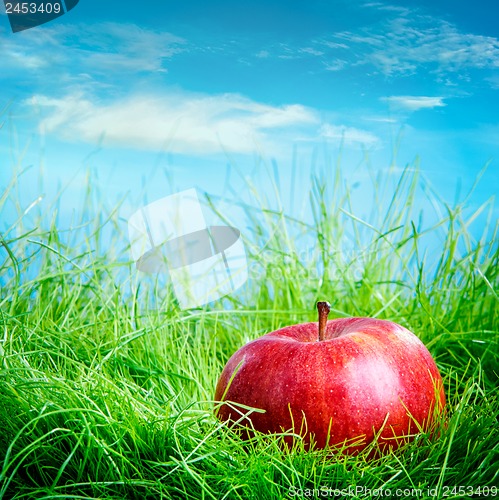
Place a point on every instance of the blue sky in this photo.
(189, 87)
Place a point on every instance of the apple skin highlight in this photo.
(366, 379)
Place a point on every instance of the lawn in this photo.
(106, 390)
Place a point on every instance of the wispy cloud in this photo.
(349, 135)
(96, 48)
(263, 54)
(494, 81)
(414, 103)
(335, 64)
(188, 123)
(127, 47)
(408, 41)
(387, 7)
(379, 119)
(289, 52)
(29, 52)
(403, 42)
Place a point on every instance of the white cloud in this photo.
(409, 41)
(127, 47)
(194, 124)
(335, 65)
(414, 103)
(380, 119)
(263, 54)
(311, 51)
(334, 45)
(289, 52)
(494, 81)
(349, 135)
(30, 50)
(385, 7)
(97, 48)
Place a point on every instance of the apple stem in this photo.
(323, 308)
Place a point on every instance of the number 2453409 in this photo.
(32, 8)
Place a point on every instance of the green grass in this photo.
(104, 397)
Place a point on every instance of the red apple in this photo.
(345, 382)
